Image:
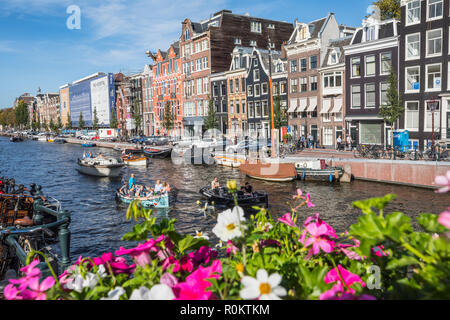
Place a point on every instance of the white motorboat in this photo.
(135, 161)
(100, 167)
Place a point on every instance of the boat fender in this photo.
(304, 176)
(330, 178)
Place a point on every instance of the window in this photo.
(224, 89)
(265, 88)
(383, 93)
(258, 109)
(429, 118)
(204, 45)
(198, 64)
(333, 58)
(265, 108)
(237, 41)
(370, 66)
(199, 86)
(238, 109)
(251, 110)
(205, 63)
(313, 62)
(224, 106)
(293, 66)
(370, 95)
(356, 97)
(326, 117)
(370, 33)
(313, 83)
(256, 75)
(205, 85)
(253, 43)
(435, 9)
(294, 85)
(243, 84)
(255, 26)
(386, 63)
(413, 12)
(255, 62)
(303, 63)
(332, 80)
(257, 90)
(250, 91)
(327, 136)
(186, 34)
(236, 82)
(413, 46)
(231, 86)
(370, 133)
(338, 116)
(356, 67)
(197, 46)
(243, 106)
(434, 42)
(413, 79)
(433, 79)
(283, 87)
(271, 26)
(412, 115)
(303, 84)
(215, 91)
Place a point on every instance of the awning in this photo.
(337, 106)
(302, 106)
(326, 104)
(293, 105)
(312, 104)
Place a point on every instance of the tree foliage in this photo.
(69, 121)
(389, 9)
(211, 121)
(81, 121)
(137, 116)
(22, 114)
(168, 122)
(95, 120)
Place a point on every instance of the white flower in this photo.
(263, 287)
(157, 292)
(115, 294)
(228, 224)
(102, 271)
(79, 283)
(201, 235)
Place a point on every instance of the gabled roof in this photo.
(386, 29)
(338, 46)
(315, 28)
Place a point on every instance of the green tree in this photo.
(38, 123)
(168, 122)
(393, 109)
(113, 121)
(137, 116)
(81, 121)
(52, 125)
(59, 124)
(279, 117)
(95, 120)
(22, 117)
(69, 121)
(211, 121)
(389, 9)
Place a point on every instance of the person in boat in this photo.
(158, 187)
(140, 192)
(247, 189)
(124, 188)
(131, 181)
(166, 187)
(149, 191)
(215, 184)
(100, 156)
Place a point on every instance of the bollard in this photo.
(64, 239)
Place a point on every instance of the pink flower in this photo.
(269, 242)
(336, 293)
(231, 248)
(319, 238)
(39, 289)
(169, 280)
(349, 278)
(315, 218)
(443, 181)
(141, 254)
(287, 219)
(203, 256)
(118, 264)
(12, 293)
(444, 218)
(298, 195)
(308, 201)
(194, 288)
(379, 252)
(30, 273)
(350, 254)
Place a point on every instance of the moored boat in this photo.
(100, 167)
(318, 170)
(88, 145)
(59, 141)
(135, 160)
(16, 139)
(222, 197)
(157, 153)
(272, 172)
(157, 201)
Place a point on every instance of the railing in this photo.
(438, 153)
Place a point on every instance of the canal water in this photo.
(98, 222)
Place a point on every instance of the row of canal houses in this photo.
(330, 80)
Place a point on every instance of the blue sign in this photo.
(416, 85)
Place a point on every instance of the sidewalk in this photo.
(326, 153)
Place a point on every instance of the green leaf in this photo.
(430, 223)
(402, 262)
(379, 203)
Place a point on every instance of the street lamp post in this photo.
(274, 155)
(432, 106)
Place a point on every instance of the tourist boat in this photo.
(157, 153)
(88, 145)
(31, 221)
(16, 139)
(229, 161)
(158, 201)
(42, 137)
(59, 141)
(318, 170)
(221, 196)
(100, 167)
(273, 172)
(135, 161)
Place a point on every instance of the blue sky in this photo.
(38, 50)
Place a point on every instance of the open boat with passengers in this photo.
(157, 153)
(149, 200)
(221, 196)
(31, 221)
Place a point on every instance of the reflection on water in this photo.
(98, 222)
